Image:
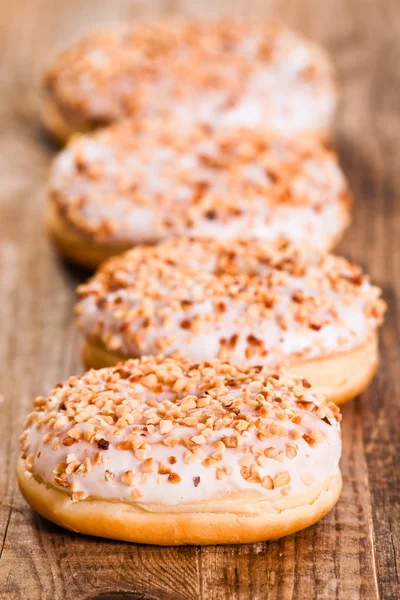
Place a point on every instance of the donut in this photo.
(129, 184)
(249, 302)
(225, 72)
(170, 451)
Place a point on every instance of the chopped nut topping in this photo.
(164, 469)
(309, 439)
(213, 71)
(141, 293)
(129, 478)
(148, 465)
(229, 425)
(267, 483)
(68, 441)
(77, 496)
(144, 55)
(174, 478)
(136, 494)
(165, 426)
(283, 478)
(103, 444)
(199, 439)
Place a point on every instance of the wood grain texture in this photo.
(355, 551)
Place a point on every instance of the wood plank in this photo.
(367, 142)
(353, 552)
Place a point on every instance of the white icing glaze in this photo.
(318, 461)
(138, 303)
(128, 185)
(224, 73)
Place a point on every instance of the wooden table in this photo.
(352, 553)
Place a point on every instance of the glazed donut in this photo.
(248, 302)
(259, 75)
(168, 452)
(127, 185)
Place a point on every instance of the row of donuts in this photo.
(220, 332)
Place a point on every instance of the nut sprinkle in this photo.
(129, 184)
(224, 72)
(232, 430)
(248, 302)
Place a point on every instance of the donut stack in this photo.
(220, 332)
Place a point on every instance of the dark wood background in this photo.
(352, 553)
